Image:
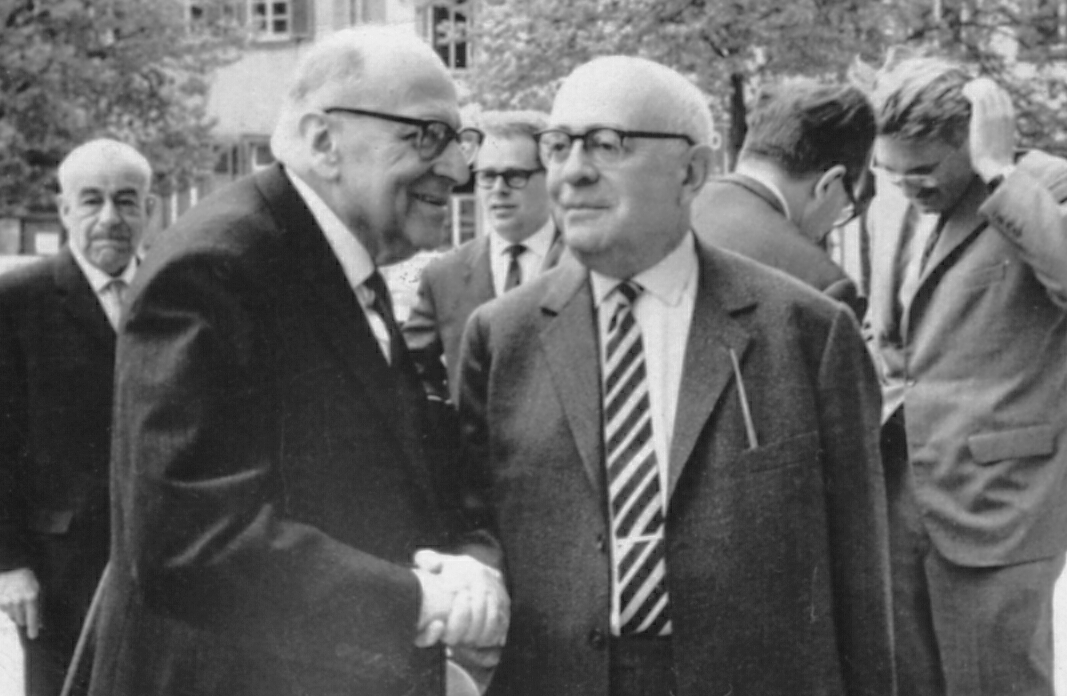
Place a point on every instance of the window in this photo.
(267, 21)
(259, 156)
(445, 27)
(270, 18)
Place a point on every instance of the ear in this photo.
(63, 207)
(697, 172)
(316, 131)
(150, 202)
(825, 184)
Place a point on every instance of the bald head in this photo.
(651, 93)
(365, 64)
(99, 153)
(622, 193)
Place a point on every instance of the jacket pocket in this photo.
(50, 521)
(778, 455)
(1031, 441)
(987, 275)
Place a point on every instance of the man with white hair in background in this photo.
(278, 522)
(58, 319)
(676, 447)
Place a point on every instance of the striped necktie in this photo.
(634, 489)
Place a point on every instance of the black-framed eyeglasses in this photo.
(513, 178)
(603, 145)
(852, 210)
(432, 139)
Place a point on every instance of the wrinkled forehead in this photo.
(609, 97)
(104, 171)
(408, 84)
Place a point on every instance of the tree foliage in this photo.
(727, 47)
(71, 70)
(730, 47)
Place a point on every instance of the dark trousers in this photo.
(962, 631)
(641, 667)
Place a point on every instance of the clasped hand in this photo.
(464, 602)
(20, 598)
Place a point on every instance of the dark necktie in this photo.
(382, 304)
(634, 490)
(513, 279)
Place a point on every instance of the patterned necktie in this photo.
(513, 279)
(634, 490)
(113, 294)
(382, 304)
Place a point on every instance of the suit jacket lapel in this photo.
(479, 274)
(555, 251)
(78, 299)
(333, 306)
(958, 228)
(570, 345)
(708, 369)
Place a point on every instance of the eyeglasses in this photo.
(432, 139)
(513, 178)
(604, 146)
(852, 210)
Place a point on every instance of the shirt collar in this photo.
(668, 280)
(355, 260)
(773, 188)
(539, 242)
(98, 280)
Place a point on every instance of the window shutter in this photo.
(302, 12)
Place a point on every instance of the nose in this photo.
(109, 213)
(452, 164)
(576, 167)
(499, 185)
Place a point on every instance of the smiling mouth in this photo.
(431, 199)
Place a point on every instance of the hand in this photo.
(20, 599)
(479, 607)
(992, 128)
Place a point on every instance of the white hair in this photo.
(99, 151)
(336, 64)
(683, 106)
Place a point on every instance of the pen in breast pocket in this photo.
(746, 412)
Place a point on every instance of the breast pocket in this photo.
(792, 451)
(985, 276)
(1018, 443)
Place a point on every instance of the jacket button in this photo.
(597, 640)
(601, 545)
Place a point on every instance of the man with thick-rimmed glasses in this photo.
(280, 526)
(968, 322)
(676, 447)
(521, 242)
(805, 157)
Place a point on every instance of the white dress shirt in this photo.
(355, 260)
(664, 311)
(531, 262)
(101, 283)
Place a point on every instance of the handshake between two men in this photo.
(464, 602)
